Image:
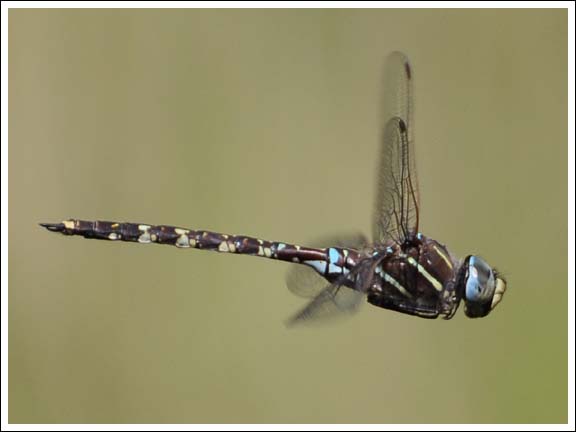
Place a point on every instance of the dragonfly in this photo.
(400, 269)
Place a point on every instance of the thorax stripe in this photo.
(444, 257)
(389, 279)
(435, 283)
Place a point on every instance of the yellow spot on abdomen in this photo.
(68, 224)
(182, 241)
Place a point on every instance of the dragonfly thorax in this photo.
(416, 277)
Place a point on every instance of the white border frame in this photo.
(283, 4)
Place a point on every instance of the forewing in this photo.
(397, 202)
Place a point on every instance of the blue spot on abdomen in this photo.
(333, 255)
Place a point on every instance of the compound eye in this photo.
(480, 282)
(480, 286)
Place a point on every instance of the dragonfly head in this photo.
(481, 286)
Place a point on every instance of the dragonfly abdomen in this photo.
(326, 261)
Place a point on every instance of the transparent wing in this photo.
(304, 281)
(397, 203)
(339, 298)
(333, 301)
(345, 240)
(397, 89)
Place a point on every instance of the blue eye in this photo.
(479, 287)
(480, 281)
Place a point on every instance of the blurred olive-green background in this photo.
(265, 123)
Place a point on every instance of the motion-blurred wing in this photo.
(397, 202)
(333, 301)
(304, 281)
(339, 298)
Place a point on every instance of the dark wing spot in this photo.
(408, 70)
(402, 125)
